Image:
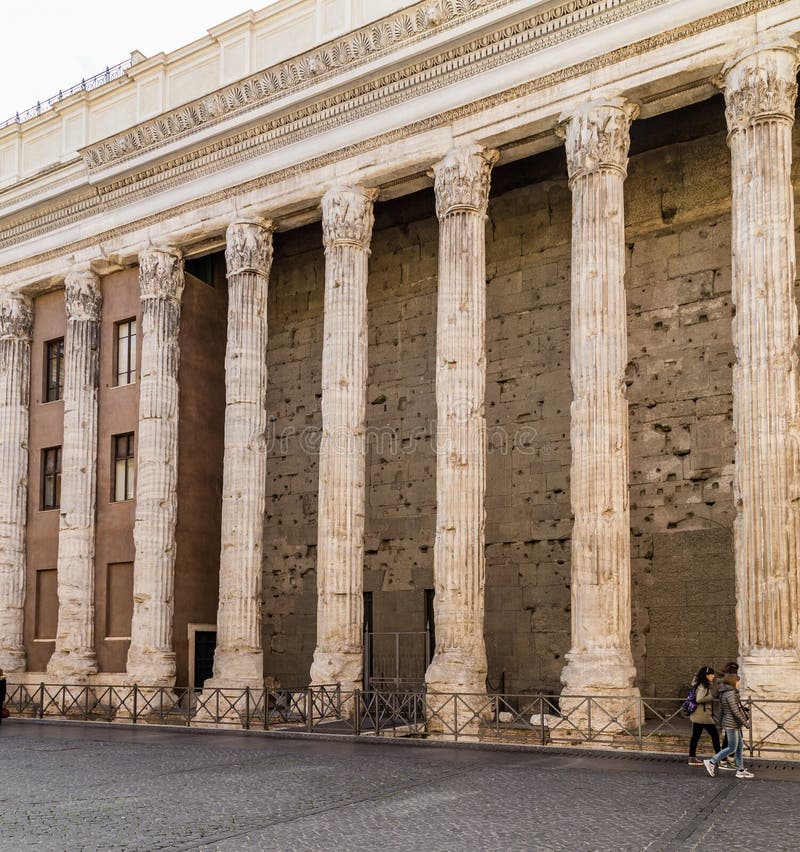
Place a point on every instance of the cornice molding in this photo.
(511, 42)
(369, 43)
(200, 163)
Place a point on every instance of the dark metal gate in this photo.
(397, 659)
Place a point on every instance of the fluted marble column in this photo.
(347, 220)
(239, 656)
(151, 659)
(16, 321)
(462, 195)
(760, 93)
(74, 656)
(600, 661)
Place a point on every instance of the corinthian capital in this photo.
(597, 136)
(160, 274)
(760, 84)
(82, 298)
(249, 246)
(16, 316)
(461, 180)
(347, 216)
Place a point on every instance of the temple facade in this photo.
(455, 340)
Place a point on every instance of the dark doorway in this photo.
(205, 641)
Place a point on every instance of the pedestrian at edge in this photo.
(2, 694)
(733, 718)
(730, 763)
(702, 718)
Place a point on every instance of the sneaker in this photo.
(710, 768)
(743, 773)
(730, 766)
(695, 761)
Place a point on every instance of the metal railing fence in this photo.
(636, 723)
(85, 85)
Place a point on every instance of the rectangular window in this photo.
(123, 467)
(54, 370)
(46, 604)
(51, 478)
(125, 352)
(119, 600)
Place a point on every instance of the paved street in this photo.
(86, 787)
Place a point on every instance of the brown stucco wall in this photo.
(200, 451)
(46, 430)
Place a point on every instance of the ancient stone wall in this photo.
(679, 392)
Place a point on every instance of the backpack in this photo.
(689, 703)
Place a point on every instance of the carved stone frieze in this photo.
(760, 85)
(16, 316)
(462, 180)
(82, 298)
(347, 216)
(248, 247)
(597, 136)
(160, 274)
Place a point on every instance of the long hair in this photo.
(701, 678)
(731, 679)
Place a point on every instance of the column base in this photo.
(72, 666)
(237, 669)
(150, 668)
(456, 700)
(767, 680)
(332, 667)
(12, 659)
(599, 695)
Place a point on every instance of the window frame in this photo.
(129, 475)
(45, 475)
(53, 392)
(126, 375)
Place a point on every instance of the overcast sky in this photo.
(47, 45)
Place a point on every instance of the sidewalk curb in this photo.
(401, 742)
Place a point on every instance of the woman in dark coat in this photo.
(702, 718)
(2, 694)
(733, 717)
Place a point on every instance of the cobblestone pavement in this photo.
(85, 787)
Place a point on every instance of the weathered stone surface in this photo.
(760, 92)
(347, 220)
(151, 659)
(462, 195)
(238, 659)
(16, 319)
(74, 657)
(600, 660)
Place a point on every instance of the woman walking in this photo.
(734, 718)
(702, 718)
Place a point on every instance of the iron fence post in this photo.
(541, 719)
(639, 723)
(86, 703)
(357, 711)
(310, 710)
(135, 703)
(41, 701)
(589, 717)
(497, 715)
(750, 732)
(247, 708)
(455, 716)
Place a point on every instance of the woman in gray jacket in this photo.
(702, 718)
(733, 718)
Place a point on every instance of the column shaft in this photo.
(347, 220)
(238, 659)
(462, 194)
(74, 655)
(760, 91)
(600, 660)
(16, 320)
(151, 659)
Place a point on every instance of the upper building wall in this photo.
(232, 50)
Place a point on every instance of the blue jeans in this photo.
(735, 746)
